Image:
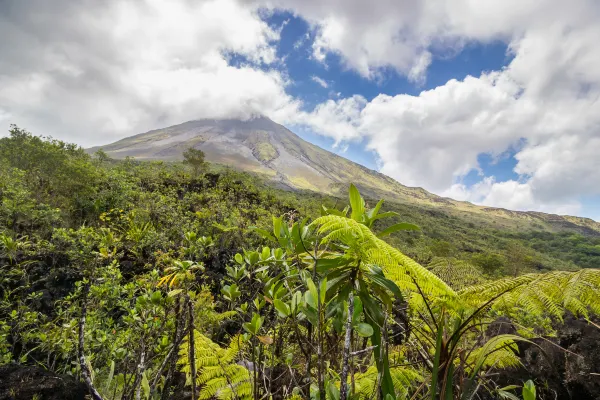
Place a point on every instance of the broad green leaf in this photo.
(266, 253)
(357, 203)
(529, 392)
(145, 385)
(314, 293)
(277, 225)
(282, 308)
(372, 213)
(156, 297)
(333, 393)
(310, 299)
(332, 211)
(264, 233)
(296, 300)
(239, 259)
(506, 395)
(253, 257)
(326, 264)
(402, 226)
(387, 214)
(111, 374)
(388, 284)
(364, 329)
(310, 313)
(323, 290)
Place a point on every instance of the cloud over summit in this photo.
(93, 73)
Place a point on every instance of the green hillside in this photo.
(266, 148)
(149, 280)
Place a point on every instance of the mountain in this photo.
(262, 146)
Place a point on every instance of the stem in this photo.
(192, 351)
(140, 371)
(177, 338)
(85, 372)
(346, 353)
(254, 374)
(320, 380)
(352, 366)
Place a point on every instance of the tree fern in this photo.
(542, 294)
(404, 378)
(500, 351)
(409, 275)
(458, 274)
(218, 375)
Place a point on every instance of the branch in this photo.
(85, 372)
(359, 352)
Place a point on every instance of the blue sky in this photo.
(490, 102)
(475, 58)
(295, 48)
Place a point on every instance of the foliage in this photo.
(126, 272)
(195, 159)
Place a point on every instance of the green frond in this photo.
(404, 379)
(217, 373)
(362, 242)
(458, 274)
(547, 294)
(499, 352)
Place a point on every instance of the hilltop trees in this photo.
(195, 159)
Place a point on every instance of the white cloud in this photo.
(125, 67)
(323, 83)
(548, 96)
(338, 119)
(511, 195)
(94, 73)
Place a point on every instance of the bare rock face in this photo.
(566, 367)
(20, 382)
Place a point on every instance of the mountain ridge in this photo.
(262, 146)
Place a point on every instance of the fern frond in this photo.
(500, 351)
(362, 242)
(458, 274)
(217, 373)
(404, 379)
(542, 294)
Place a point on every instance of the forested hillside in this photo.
(157, 280)
(282, 158)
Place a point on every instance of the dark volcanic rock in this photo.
(563, 368)
(20, 382)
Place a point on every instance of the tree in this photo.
(195, 159)
(491, 263)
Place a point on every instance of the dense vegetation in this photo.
(127, 274)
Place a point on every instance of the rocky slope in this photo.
(262, 146)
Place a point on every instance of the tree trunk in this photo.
(346, 353)
(172, 358)
(192, 349)
(85, 372)
(320, 360)
(140, 371)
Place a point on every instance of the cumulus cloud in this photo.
(323, 83)
(69, 68)
(511, 194)
(545, 101)
(94, 73)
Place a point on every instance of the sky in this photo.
(494, 102)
